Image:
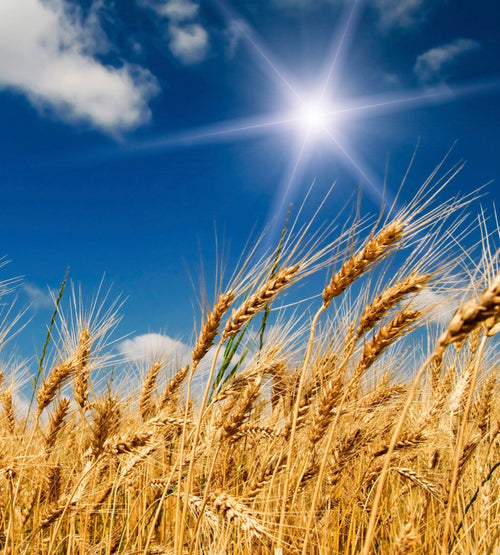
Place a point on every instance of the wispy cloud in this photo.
(391, 13)
(38, 298)
(301, 3)
(441, 306)
(188, 40)
(47, 53)
(433, 66)
(153, 346)
(402, 14)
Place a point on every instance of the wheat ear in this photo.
(172, 388)
(210, 327)
(382, 340)
(82, 371)
(259, 300)
(234, 511)
(146, 404)
(376, 310)
(55, 425)
(406, 540)
(483, 408)
(59, 374)
(485, 309)
(459, 448)
(376, 248)
(8, 412)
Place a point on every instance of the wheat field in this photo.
(367, 422)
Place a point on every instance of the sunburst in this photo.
(313, 115)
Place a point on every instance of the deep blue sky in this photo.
(101, 104)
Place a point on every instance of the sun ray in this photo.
(345, 27)
(213, 133)
(248, 34)
(415, 99)
(285, 191)
(377, 192)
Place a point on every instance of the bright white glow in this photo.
(314, 116)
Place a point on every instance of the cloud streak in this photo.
(391, 14)
(47, 53)
(402, 14)
(38, 298)
(433, 66)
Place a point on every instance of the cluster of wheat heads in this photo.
(335, 435)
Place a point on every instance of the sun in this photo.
(314, 116)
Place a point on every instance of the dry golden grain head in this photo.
(81, 373)
(272, 467)
(146, 403)
(55, 425)
(422, 481)
(328, 397)
(210, 327)
(170, 394)
(259, 300)
(84, 347)
(47, 391)
(406, 540)
(376, 310)
(484, 310)
(375, 249)
(387, 334)
(484, 403)
(75, 363)
(105, 423)
(8, 412)
(234, 511)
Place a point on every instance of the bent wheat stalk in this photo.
(471, 315)
(255, 303)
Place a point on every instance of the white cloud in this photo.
(47, 52)
(153, 346)
(432, 66)
(39, 298)
(188, 43)
(441, 306)
(188, 40)
(179, 10)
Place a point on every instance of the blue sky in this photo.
(120, 152)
